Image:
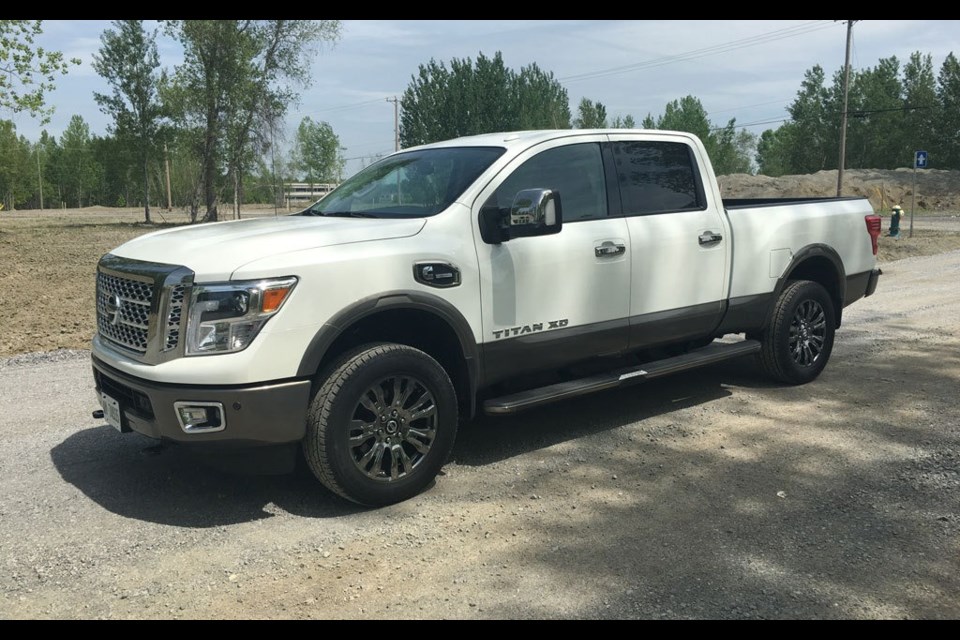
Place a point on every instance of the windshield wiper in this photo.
(349, 214)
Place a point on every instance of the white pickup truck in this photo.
(489, 273)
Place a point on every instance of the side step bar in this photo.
(714, 352)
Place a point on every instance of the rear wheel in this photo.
(798, 340)
(381, 425)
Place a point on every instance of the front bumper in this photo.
(254, 415)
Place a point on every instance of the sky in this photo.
(749, 70)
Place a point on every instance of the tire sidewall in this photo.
(799, 293)
(401, 361)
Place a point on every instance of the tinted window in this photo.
(656, 177)
(574, 171)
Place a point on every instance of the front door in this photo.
(553, 300)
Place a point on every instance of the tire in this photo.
(798, 340)
(381, 424)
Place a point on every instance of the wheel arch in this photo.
(819, 263)
(413, 318)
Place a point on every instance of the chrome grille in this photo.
(123, 311)
(174, 315)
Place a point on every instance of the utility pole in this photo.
(843, 122)
(39, 178)
(396, 122)
(166, 162)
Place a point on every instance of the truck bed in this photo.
(745, 203)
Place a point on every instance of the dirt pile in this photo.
(936, 190)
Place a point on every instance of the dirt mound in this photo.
(936, 190)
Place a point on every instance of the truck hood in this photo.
(215, 250)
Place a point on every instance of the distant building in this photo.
(304, 193)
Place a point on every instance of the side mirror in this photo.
(534, 212)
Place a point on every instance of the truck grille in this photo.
(123, 311)
(142, 307)
(174, 315)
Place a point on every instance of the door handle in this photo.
(709, 237)
(608, 249)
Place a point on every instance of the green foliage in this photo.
(875, 122)
(590, 115)
(625, 122)
(771, 152)
(79, 171)
(317, 155)
(128, 61)
(471, 98)
(920, 99)
(815, 133)
(948, 115)
(235, 83)
(543, 102)
(686, 114)
(893, 110)
(28, 72)
(730, 151)
(15, 167)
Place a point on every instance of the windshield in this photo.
(414, 184)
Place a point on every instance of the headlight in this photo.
(227, 317)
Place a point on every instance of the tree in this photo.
(15, 166)
(810, 143)
(121, 172)
(543, 102)
(471, 98)
(948, 112)
(590, 115)
(686, 114)
(770, 152)
(920, 102)
(317, 154)
(27, 72)
(625, 122)
(128, 60)
(79, 172)
(730, 151)
(236, 75)
(875, 124)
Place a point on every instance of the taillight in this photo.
(873, 228)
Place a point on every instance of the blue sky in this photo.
(744, 69)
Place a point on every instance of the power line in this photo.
(771, 36)
(344, 107)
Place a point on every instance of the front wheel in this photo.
(798, 339)
(381, 425)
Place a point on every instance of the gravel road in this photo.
(708, 495)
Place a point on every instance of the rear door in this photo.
(679, 245)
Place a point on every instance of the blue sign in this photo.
(920, 162)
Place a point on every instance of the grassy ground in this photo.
(49, 260)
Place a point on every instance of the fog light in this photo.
(200, 417)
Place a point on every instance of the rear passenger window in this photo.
(574, 171)
(657, 177)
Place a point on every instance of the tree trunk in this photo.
(236, 195)
(209, 167)
(146, 191)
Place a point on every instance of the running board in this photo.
(714, 352)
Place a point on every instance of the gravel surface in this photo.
(713, 494)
